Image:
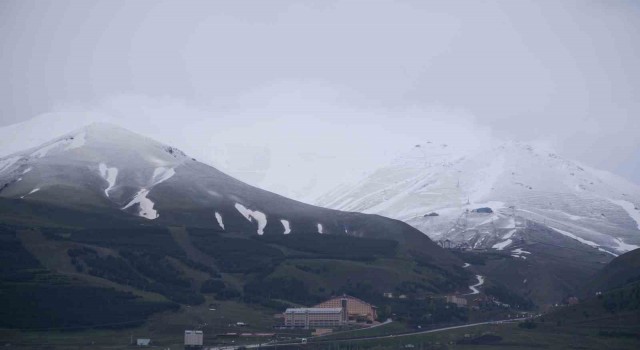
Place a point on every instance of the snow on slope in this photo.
(110, 175)
(287, 226)
(630, 208)
(145, 205)
(251, 215)
(219, 220)
(502, 245)
(431, 187)
(116, 154)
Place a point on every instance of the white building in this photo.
(143, 342)
(454, 299)
(314, 317)
(193, 338)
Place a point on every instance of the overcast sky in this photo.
(295, 95)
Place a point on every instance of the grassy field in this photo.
(495, 336)
(386, 329)
(165, 329)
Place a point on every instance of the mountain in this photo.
(104, 168)
(536, 222)
(621, 271)
(443, 193)
(105, 213)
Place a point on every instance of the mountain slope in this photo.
(540, 223)
(103, 168)
(621, 271)
(436, 190)
(105, 207)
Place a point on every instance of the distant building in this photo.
(388, 295)
(454, 299)
(143, 342)
(484, 210)
(193, 339)
(357, 310)
(314, 317)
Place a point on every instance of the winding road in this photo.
(474, 288)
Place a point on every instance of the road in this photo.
(391, 336)
(474, 288)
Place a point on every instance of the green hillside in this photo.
(128, 273)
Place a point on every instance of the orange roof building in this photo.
(357, 310)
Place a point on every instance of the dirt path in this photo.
(181, 236)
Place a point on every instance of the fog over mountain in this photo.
(297, 97)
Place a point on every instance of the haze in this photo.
(297, 97)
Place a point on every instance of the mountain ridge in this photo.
(514, 179)
(102, 166)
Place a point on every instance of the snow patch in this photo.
(33, 191)
(251, 215)
(145, 205)
(572, 236)
(320, 229)
(214, 193)
(581, 240)
(573, 217)
(519, 251)
(624, 247)
(219, 219)
(488, 221)
(109, 174)
(502, 245)
(72, 142)
(27, 170)
(161, 174)
(509, 234)
(630, 208)
(466, 265)
(287, 227)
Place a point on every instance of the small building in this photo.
(193, 339)
(356, 309)
(388, 295)
(143, 342)
(314, 317)
(454, 299)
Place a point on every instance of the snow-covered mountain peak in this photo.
(104, 142)
(125, 166)
(432, 185)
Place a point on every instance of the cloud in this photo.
(255, 89)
